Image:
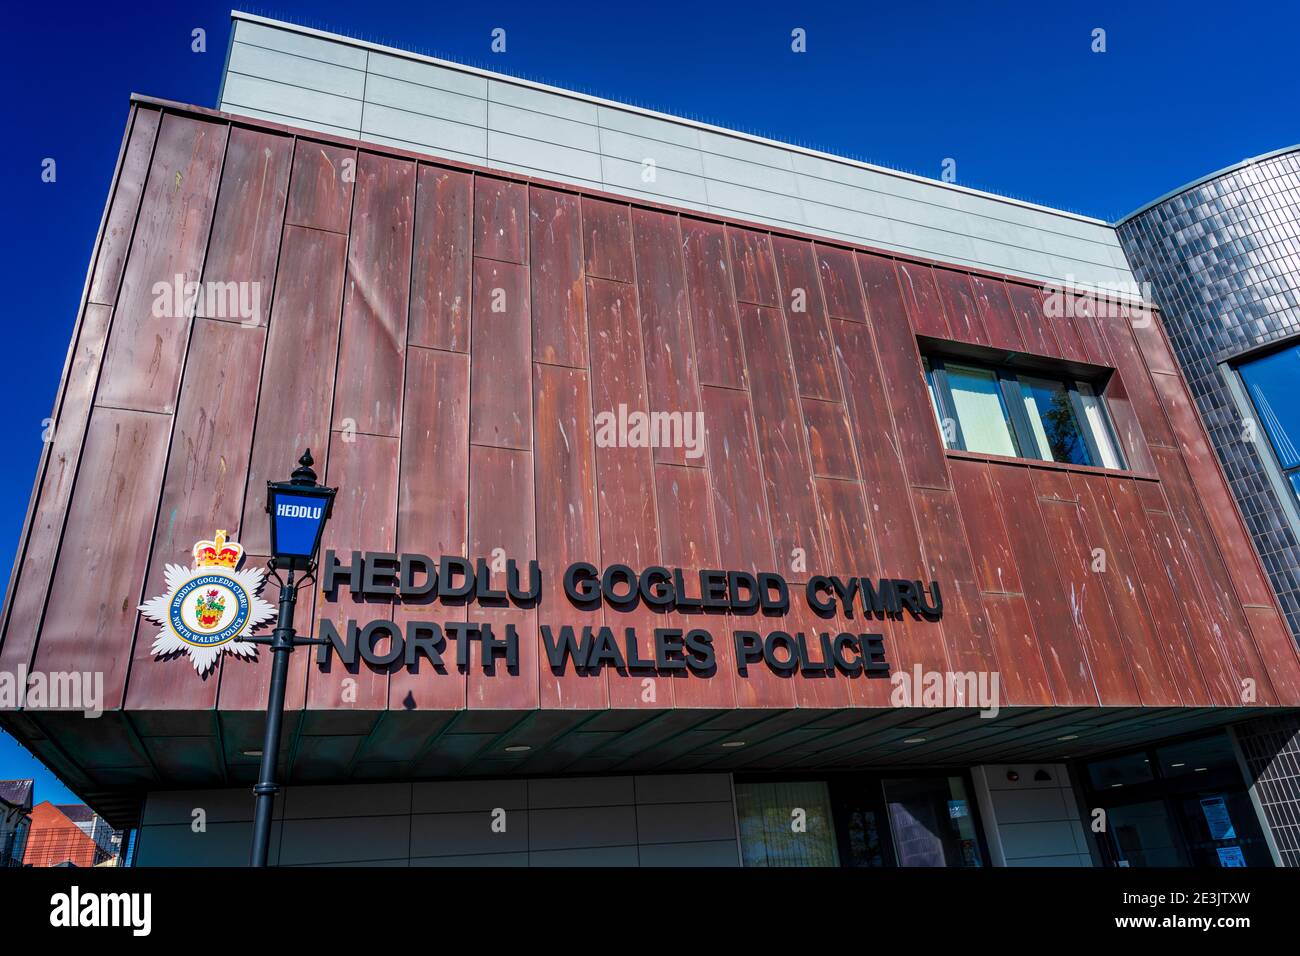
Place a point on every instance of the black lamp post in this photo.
(299, 509)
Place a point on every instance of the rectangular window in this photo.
(980, 410)
(1003, 411)
(1098, 426)
(1271, 385)
(768, 812)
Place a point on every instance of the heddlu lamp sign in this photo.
(299, 509)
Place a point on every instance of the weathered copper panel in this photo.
(559, 316)
(1087, 313)
(1020, 663)
(666, 326)
(713, 304)
(607, 239)
(501, 523)
(625, 495)
(364, 469)
(796, 536)
(840, 284)
(915, 282)
(995, 563)
(1118, 572)
(202, 490)
(883, 478)
(959, 303)
(1278, 651)
(119, 223)
(1137, 382)
(372, 352)
(500, 219)
(320, 186)
(298, 374)
(948, 557)
(744, 535)
(1152, 344)
(89, 628)
(433, 510)
(1021, 674)
(888, 497)
(744, 539)
(1217, 674)
(851, 551)
(687, 541)
(1052, 611)
(500, 408)
(1241, 655)
(36, 560)
(565, 486)
(440, 269)
(805, 316)
(1133, 443)
(1166, 616)
(1216, 503)
(142, 365)
(1058, 304)
(909, 401)
(995, 312)
(1035, 328)
(246, 227)
(829, 441)
(752, 267)
(1089, 603)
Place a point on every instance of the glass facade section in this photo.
(1271, 382)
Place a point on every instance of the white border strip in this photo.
(666, 117)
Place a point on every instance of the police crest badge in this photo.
(209, 607)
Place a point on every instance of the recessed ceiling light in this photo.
(1117, 784)
(1178, 765)
(1200, 769)
(252, 753)
(1069, 737)
(914, 740)
(733, 743)
(518, 748)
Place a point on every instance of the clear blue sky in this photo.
(1011, 91)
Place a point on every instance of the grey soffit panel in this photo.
(305, 78)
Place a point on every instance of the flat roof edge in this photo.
(1251, 161)
(667, 117)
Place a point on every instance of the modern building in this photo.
(1222, 258)
(701, 500)
(15, 820)
(70, 834)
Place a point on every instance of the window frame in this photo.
(1279, 477)
(1017, 418)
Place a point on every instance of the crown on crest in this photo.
(218, 552)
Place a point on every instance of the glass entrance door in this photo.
(931, 822)
(1181, 804)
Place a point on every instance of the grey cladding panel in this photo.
(309, 79)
